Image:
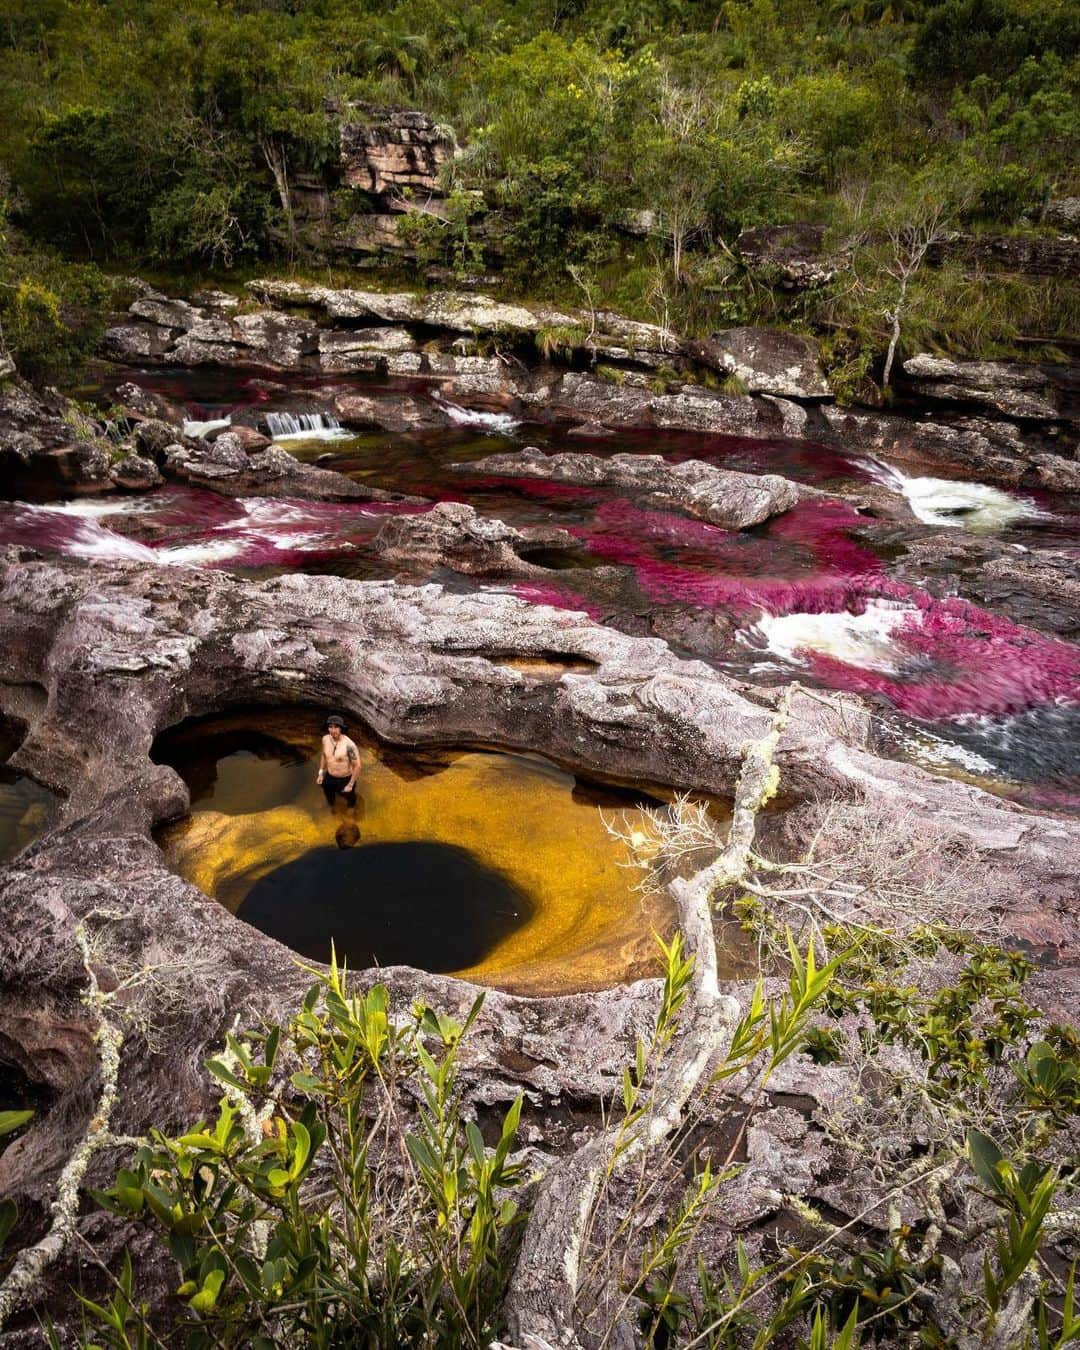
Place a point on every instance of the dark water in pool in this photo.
(494, 865)
(418, 904)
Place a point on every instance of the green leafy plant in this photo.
(310, 1208)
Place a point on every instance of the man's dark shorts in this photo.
(335, 787)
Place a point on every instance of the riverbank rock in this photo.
(585, 398)
(1027, 254)
(733, 501)
(765, 360)
(1009, 387)
(47, 447)
(990, 452)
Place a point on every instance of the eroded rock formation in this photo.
(119, 652)
(734, 501)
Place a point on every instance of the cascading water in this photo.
(954, 505)
(195, 428)
(287, 426)
(808, 591)
(501, 424)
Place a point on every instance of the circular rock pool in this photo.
(496, 867)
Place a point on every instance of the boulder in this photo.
(125, 651)
(765, 360)
(47, 447)
(1064, 213)
(1009, 387)
(249, 439)
(173, 331)
(395, 412)
(135, 473)
(1038, 588)
(790, 257)
(146, 403)
(454, 535)
(733, 501)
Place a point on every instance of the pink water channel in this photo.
(1001, 698)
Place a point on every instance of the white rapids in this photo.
(205, 428)
(956, 505)
(863, 640)
(502, 424)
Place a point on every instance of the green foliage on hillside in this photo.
(165, 133)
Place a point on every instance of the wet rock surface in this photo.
(123, 652)
(1040, 589)
(733, 501)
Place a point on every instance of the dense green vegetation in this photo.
(157, 132)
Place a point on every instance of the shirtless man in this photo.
(339, 763)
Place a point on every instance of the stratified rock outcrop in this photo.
(388, 151)
(734, 501)
(988, 451)
(1008, 387)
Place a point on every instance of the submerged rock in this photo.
(733, 501)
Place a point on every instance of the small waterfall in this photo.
(287, 426)
(205, 428)
(952, 504)
(502, 424)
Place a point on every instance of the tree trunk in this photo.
(277, 164)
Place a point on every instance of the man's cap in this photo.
(336, 721)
